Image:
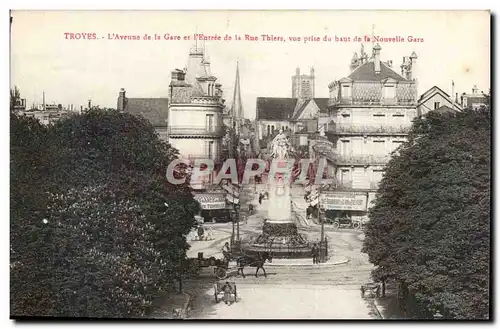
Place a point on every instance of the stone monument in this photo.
(279, 233)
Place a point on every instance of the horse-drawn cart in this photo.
(219, 287)
(220, 266)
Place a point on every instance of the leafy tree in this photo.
(430, 226)
(102, 231)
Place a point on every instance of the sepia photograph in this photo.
(250, 165)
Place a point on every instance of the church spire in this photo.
(237, 107)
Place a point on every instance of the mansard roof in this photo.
(155, 110)
(276, 108)
(366, 72)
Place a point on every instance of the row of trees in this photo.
(429, 229)
(96, 229)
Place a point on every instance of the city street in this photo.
(298, 291)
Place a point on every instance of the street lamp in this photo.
(237, 215)
(322, 241)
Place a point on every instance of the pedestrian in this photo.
(201, 232)
(315, 252)
(227, 292)
(261, 196)
(226, 252)
(210, 235)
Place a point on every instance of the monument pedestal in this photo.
(280, 235)
(282, 240)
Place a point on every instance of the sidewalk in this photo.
(211, 248)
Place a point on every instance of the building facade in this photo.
(195, 111)
(474, 100)
(369, 115)
(435, 99)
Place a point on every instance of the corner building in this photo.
(370, 113)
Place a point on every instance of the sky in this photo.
(455, 47)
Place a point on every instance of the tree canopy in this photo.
(96, 228)
(429, 228)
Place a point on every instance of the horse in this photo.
(257, 262)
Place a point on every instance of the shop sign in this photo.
(343, 201)
(211, 201)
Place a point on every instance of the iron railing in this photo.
(381, 101)
(197, 130)
(363, 159)
(381, 129)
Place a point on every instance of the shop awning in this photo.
(211, 201)
(343, 201)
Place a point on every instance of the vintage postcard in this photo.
(250, 164)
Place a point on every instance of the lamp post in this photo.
(237, 212)
(322, 241)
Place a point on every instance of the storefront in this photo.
(214, 207)
(352, 205)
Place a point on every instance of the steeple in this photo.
(237, 107)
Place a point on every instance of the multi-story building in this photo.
(195, 111)
(191, 120)
(369, 115)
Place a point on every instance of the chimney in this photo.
(413, 67)
(121, 100)
(312, 72)
(297, 71)
(474, 89)
(376, 55)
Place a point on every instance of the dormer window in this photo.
(390, 92)
(346, 91)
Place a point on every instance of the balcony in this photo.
(371, 102)
(197, 131)
(349, 185)
(363, 159)
(207, 100)
(345, 129)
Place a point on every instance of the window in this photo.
(268, 130)
(378, 146)
(345, 115)
(210, 149)
(398, 115)
(210, 122)
(390, 92)
(344, 176)
(379, 115)
(436, 105)
(346, 147)
(346, 91)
